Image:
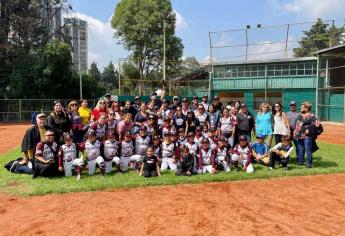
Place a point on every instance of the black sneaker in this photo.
(309, 165)
(300, 163)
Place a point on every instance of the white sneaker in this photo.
(78, 177)
(270, 168)
(227, 169)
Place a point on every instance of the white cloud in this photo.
(102, 45)
(314, 8)
(181, 22)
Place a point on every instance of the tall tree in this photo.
(320, 36)
(94, 72)
(109, 76)
(140, 25)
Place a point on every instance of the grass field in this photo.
(329, 159)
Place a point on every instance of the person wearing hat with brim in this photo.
(242, 155)
(137, 102)
(260, 150)
(32, 137)
(185, 106)
(204, 102)
(195, 104)
(175, 103)
(218, 106)
(292, 116)
(108, 100)
(206, 162)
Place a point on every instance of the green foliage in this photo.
(108, 76)
(139, 26)
(329, 159)
(94, 72)
(320, 36)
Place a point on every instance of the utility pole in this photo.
(286, 41)
(79, 57)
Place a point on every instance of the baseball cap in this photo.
(111, 135)
(137, 98)
(127, 134)
(190, 134)
(153, 94)
(222, 138)
(41, 115)
(168, 133)
(143, 127)
(181, 130)
(292, 103)
(167, 118)
(195, 97)
(107, 95)
(175, 97)
(242, 137)
(164, 101)
(198, 128)
(216, 98)
(243, 105)
(260, 136)
(205, 96)
(184, 100)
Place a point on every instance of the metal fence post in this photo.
(20, 110)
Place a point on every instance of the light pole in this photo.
(164, 53)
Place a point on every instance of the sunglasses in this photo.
(111, 114)
(102, 103)
(74, 105)
(277, 106)
(50, 135)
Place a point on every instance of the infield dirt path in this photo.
(289, 206)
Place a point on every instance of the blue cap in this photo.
(260, 136)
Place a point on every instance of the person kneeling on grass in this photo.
(206, 158)
(222, 154)
(281, 152)
(111, 152)
(127, 151)
(260, 151)
(150, 165)
(185, 162)
(92, 150)
(169, 153)
(68, 159)
(242, 155)
(46, 157)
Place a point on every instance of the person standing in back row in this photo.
(245, 123)
(292, 116)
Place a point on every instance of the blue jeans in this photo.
(304, 147)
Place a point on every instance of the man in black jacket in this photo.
(245, 123)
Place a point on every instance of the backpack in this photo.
(12, 165)
(319, 130)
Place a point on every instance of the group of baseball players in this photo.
(187, 138)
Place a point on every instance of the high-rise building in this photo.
(77, 30)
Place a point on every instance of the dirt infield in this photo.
(334, 134)
(290, 206)
(11, 136)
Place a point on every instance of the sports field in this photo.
(309, 205)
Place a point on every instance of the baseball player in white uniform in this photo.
(242, 155)
(68, 159)
(127, 151)
(168, 153)
(92, 150)
(111, 151)
(206, 158)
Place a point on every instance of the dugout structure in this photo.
(331, 84)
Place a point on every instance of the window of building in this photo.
(272, 97)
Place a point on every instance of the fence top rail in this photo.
(42, 99)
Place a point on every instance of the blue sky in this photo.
(195, 18)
